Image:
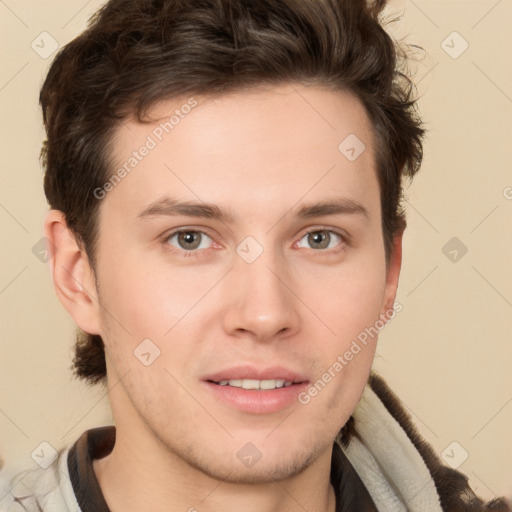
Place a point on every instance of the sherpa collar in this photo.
(399, 469)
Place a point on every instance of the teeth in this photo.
(256, 384)
(271, 384)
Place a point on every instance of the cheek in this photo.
(358, 307)
(148, 299)
(349, 304)
(348, 300)
(147, 296)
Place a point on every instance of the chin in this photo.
(256, 463)
(263, 471)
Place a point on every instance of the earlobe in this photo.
(73, 279)
(393, 274)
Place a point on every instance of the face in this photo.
(243, 247)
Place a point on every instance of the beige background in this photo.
(448, 354)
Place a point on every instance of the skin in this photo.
(261, 155)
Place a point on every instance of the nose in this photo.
(261, 304)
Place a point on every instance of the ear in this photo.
(392, 274)
(73, 279)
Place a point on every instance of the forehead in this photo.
(257, 149)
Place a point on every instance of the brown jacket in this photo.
(373, 426)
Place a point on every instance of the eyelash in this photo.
(196, 252)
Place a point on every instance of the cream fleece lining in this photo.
(387, 462)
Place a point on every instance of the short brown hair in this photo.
(137, 52)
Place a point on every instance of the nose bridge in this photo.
(261, 301)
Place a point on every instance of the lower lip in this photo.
(257, 401)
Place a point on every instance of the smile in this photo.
(255, 384)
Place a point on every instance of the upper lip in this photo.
(251, 372)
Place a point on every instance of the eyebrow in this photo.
(172, 207)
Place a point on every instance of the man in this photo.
(224, 181)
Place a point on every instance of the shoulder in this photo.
(46, 490)
(452, 486)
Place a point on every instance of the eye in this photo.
(188, 240)
(322, 239)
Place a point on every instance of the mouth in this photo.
(255, 384)
(256, 390)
